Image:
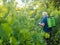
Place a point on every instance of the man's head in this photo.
(44, 14)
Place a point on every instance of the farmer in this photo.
(44, 24)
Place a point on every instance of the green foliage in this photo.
(21, 27)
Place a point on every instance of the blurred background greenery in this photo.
(19, 25)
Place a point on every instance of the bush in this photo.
(20, 27)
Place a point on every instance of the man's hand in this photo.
(42, 24)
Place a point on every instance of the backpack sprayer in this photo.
(51, 21)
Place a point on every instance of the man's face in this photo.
(44, 14)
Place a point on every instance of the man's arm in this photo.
(42, 24)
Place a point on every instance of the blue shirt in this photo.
(45, 28)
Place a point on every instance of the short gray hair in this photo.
(44, 13)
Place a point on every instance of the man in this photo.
(44, 24)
